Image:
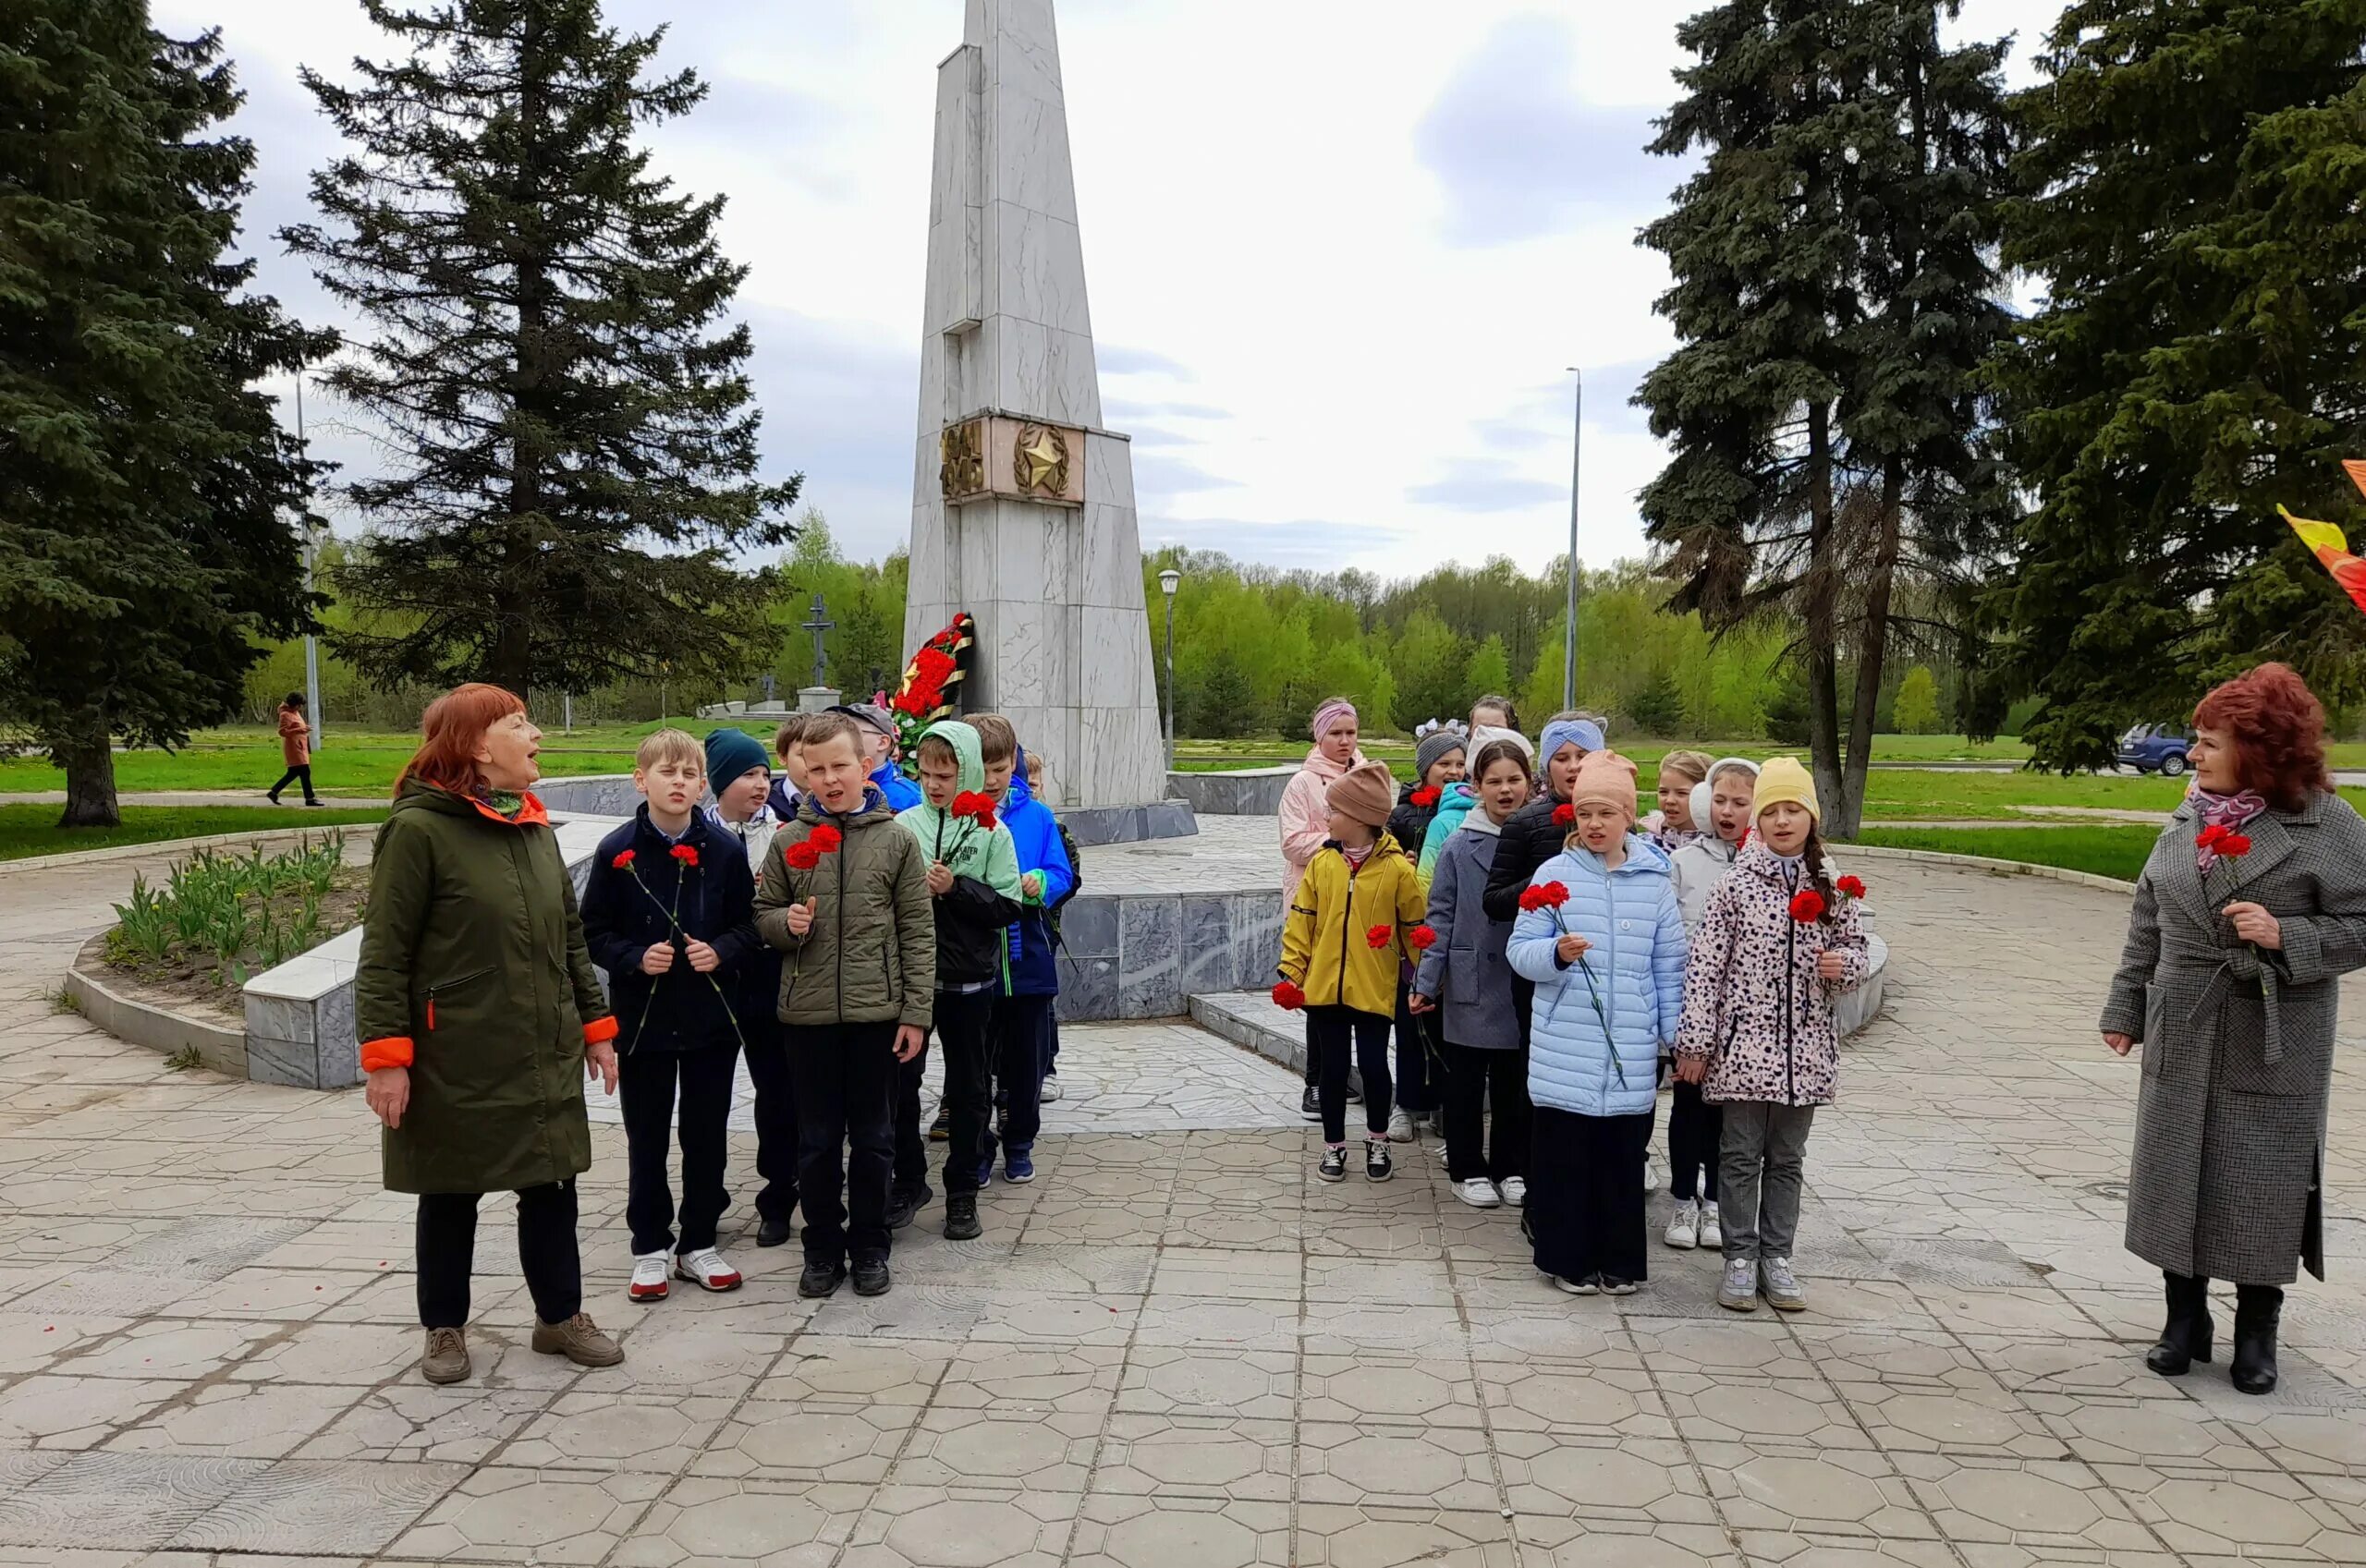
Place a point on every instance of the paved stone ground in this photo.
(1174, 1348)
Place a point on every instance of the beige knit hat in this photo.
(1606, 778)
(1363, 793)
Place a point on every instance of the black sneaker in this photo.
(942, 1128)
(961, 1216)
(871, 1276)
(819, 1278)
(1612, 1286)
(1311, 1106)
(903, 1203)
(1376, 1163)
(1334, 1167)
(773, 1232)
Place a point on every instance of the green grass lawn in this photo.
(33, 830)
(2109, 852)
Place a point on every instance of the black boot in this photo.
(2257, 1311)
(2184, 1339)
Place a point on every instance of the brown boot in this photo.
(579, 1340)
(447, 1360)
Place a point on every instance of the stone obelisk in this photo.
(1023, 505)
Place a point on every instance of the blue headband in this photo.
(1583, 733)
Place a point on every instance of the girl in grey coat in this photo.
(2252, 904)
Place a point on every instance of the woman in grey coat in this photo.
(2251, 906)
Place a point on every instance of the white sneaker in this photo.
(1782, 1290)
(1051, 1089)
(708, 1268)
(1738, 1290)
(1515, 1191)
(1478, 1192)
(648, 1273)
(1651, 1177)
(1711, 1233)
(1684, 1230)
(1400, 1125)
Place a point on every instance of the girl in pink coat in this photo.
(1306, 825)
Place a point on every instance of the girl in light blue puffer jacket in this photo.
(1601, 934)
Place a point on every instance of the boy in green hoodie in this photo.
(973, 880)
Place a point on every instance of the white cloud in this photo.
(1338, 256)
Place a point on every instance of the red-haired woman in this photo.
(479, 1012)
(2252, 904)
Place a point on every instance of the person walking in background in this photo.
(1306, 825)
(295, 749)
(1348, 930)
(744, 807)
(1438, 766)
(480, 1015)
(1601, 938)
(1778, 939)
(2250, 909)
(1721, 805)
(1464, 982)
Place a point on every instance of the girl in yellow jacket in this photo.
(1355, 916)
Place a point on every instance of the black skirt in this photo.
(1585, 1193)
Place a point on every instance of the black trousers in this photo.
(1334, 1031)
(845, 1075)
(1696, 1132)
(1022, 1048)
(1417, 1036)
(649, 1085)
(1472, 1077)
(965, 1030)
(1585, 1193)
(296, 776)
(776, 1152)
(546, 1250)
(911, 1144)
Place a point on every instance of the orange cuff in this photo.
(394, 1050)
(600, 1030)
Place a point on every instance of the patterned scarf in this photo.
(2228, 811)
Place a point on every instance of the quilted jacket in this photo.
(1596, 1033)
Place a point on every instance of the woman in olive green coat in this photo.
(479, 1012)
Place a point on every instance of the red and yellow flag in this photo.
(2332, 547)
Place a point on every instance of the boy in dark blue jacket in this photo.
(1022, 1020)
(668, 912)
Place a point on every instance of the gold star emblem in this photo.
(1046, 456)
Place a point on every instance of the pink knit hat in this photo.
(1330, 714)
(1606, 778)
(1363, 793)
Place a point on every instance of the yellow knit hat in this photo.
(1782, 779)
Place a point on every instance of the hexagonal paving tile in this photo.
(975, 1449)
(528, 1516)
(1389, 1391)
(1195, 1456)
(921, 1528)
(1403, 1466)
(1969, 1418)
(1835, 1493)
(418, 1421)
(1736, 1408)
(703, 1520)
(1069, 1379)
(1638, 1481)
(2257, 1513)
(1550, 1542)
(1339, 1535)
(796, 1443)
(1195, 1380)
(2010, 1500)
(618, 1431)
(1608, 1399)
(1179, 1532)
(239, 1420)
(821, 1370)
(57, 1411)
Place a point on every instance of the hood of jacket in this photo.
(1764, 863)
(1644, 858)
(1321, 766)
(419, 796)
(964, 848)
(874, 812)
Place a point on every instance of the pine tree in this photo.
(2191, 213)
(1835, 302)
(573, 448)
(146, 493)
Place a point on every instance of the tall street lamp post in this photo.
(1168, 581)
(1577, 444)
(312, 564)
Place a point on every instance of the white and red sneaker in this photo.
(707, 1269)
(649, 1277)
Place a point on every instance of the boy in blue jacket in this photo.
(878, 727)
(1022, 1020)
(668, 912)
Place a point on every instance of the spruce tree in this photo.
(573, 446)
(1835, 302)
(147, 496)
(2190, 210)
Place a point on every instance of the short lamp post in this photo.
(1168, 581)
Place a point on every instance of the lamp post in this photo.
(1577, 444)
(312, 563)
(1168, 581)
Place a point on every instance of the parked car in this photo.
(2148, 748)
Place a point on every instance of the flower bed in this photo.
(220, 918)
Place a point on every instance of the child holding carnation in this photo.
(1354, 920)
(1437, 768)
(1600, 936)
(1721, 806)
(1778, 940)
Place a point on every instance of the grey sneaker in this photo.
(447, 1360)
(579, 1340)
(1783, 1292)
(1737, 1291)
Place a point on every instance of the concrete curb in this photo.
(1992, 867)
(179, 845)
(161, 1030)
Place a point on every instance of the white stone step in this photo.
(1249, 1018)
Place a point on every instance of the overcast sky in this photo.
(1338, 253)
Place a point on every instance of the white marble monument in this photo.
(1023, 505)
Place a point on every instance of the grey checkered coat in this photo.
(2238, 1044)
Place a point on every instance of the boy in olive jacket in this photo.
(845, 896)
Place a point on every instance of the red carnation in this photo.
(1851, 887)
(1379, 936)
(802, 855)
(1564, 815)
(1288, 997)
(1529, 901)
(931, 665)
(1551, 896)
(1424, 797)
(824, 838)
(2235, 844)
(1806, 906)
(2212, 836)
(685, 854)
(1422, 938)
(623, 862)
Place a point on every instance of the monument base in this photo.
(817, 698)
(1129, 824)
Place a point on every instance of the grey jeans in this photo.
(1759, 1177)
